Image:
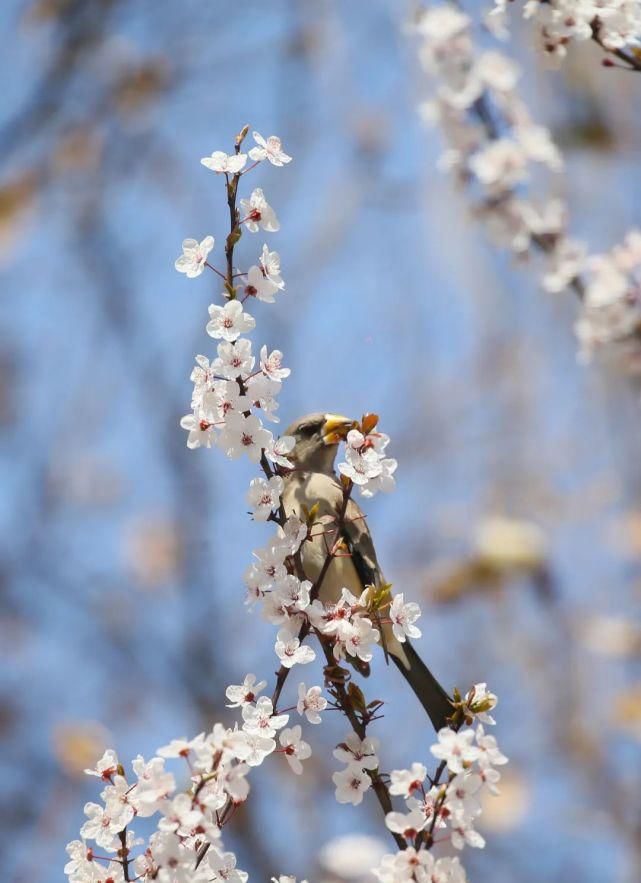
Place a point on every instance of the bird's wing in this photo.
(361, 546)
(363, 556)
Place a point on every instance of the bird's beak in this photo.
(335, 428)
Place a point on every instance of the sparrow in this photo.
(313, 482)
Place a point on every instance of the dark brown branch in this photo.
(124, 852)
(360, 728)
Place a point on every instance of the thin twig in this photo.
(125, 853)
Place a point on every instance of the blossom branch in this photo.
(493, 144)
(340, 693)
(360, 729)
(187, 843)
(615, 27)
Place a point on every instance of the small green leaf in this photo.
(379, 597)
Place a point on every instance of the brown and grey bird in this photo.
(314, 481)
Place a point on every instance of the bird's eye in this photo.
(307, 429)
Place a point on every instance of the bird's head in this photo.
(317, 439)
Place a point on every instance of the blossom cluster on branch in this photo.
(448, 810)
(614, 24)
(234, 394)
(498, 151)
(187, 845)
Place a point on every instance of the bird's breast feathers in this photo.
(307, 489)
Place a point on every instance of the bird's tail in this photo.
(428, 691)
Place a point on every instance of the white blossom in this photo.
(500, 164)
(268, 567)
(294, 749)
(410, 864)
(180, 747)
(230, 321)
(262, 392)
(201, 431)
(268, 148)
(179, 815)
(292, 534)
(272, 364)
(221, 162)
(403, 616)
(366, 464)
(456, 749)
(360, 466)
(258, 213)
(464, 834)
(264, 496)
(193, 259)
(234, 359)
(278, 449)
(269, 262)
(256, 284)
(154, 784)
(351, 784)
(242, 694)
(285, 602)
(310, 703)
(356, 751)
(223, 867)
(406, 782)
(356, 638)
(559, 23)
(291, 652)
(104, 823)
(107, 767)
(258, 747)
(406, 824)
(171, 857)
(222, 399)
(488, 751)
(461, 797)
(243, 435)
(260, 718)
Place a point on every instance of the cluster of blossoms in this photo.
(469, 756)
(492, 143)
(611, 308)
(348, 624)
(186, 845)
(613, 24)
(365, 462)
(229, 388)
(359, 756)
(286, 601)
(495, 148)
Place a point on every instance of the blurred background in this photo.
(517, 519)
